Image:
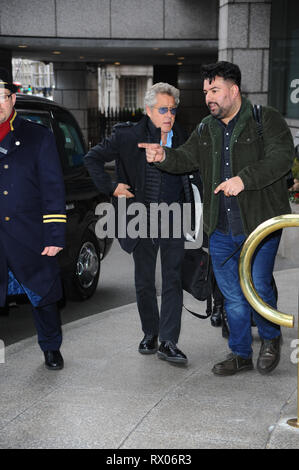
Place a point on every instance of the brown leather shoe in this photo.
(232, 365)
(269, 355)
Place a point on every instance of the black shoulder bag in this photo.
(257, 114)
(197, 273)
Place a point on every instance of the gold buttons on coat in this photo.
(5, 193)
(6, 219)
(5, 167)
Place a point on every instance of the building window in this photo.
(130, 92)
(284, 57)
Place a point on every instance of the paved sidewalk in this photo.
(110, 397)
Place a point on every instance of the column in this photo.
(76, 88)
(244, 39)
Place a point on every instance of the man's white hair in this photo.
(150, 97)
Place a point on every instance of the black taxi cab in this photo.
(80, 261)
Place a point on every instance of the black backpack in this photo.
(257, 114)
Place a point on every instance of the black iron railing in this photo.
(100, 123)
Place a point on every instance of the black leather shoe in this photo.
(53, 360)
(216, 317)
(149, 344)
(232, 365)
(169, 352)
(269, 355)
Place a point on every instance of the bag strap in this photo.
(257, 114)
(197, 314)
(233, 253)
(200, 128)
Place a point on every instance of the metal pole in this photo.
(294, 422)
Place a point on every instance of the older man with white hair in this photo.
(139, 181)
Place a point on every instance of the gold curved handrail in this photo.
(275, 316)
(249, 247)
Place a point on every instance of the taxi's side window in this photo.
(70, 141)
(38, 117)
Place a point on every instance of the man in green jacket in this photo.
(244, 184)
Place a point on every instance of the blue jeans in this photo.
(227, 276)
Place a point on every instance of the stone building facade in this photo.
(173, 36)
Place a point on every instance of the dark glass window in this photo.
(130, 92)
(284, 57)
(36, 116)
(69, 141)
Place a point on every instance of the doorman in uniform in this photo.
(32, 219)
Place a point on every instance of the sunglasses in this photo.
(164, 109)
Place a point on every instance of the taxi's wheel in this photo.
(86, 270)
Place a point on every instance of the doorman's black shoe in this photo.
(53, 360)
(169, 352)
(149, 344)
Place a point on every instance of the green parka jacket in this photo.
(261, 164)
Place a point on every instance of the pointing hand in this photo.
(231, 187)
(154, 152)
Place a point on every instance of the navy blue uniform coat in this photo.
(32, 210)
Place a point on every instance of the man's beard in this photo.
(218, 112)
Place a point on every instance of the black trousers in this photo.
(167, 325)
(48, 326)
